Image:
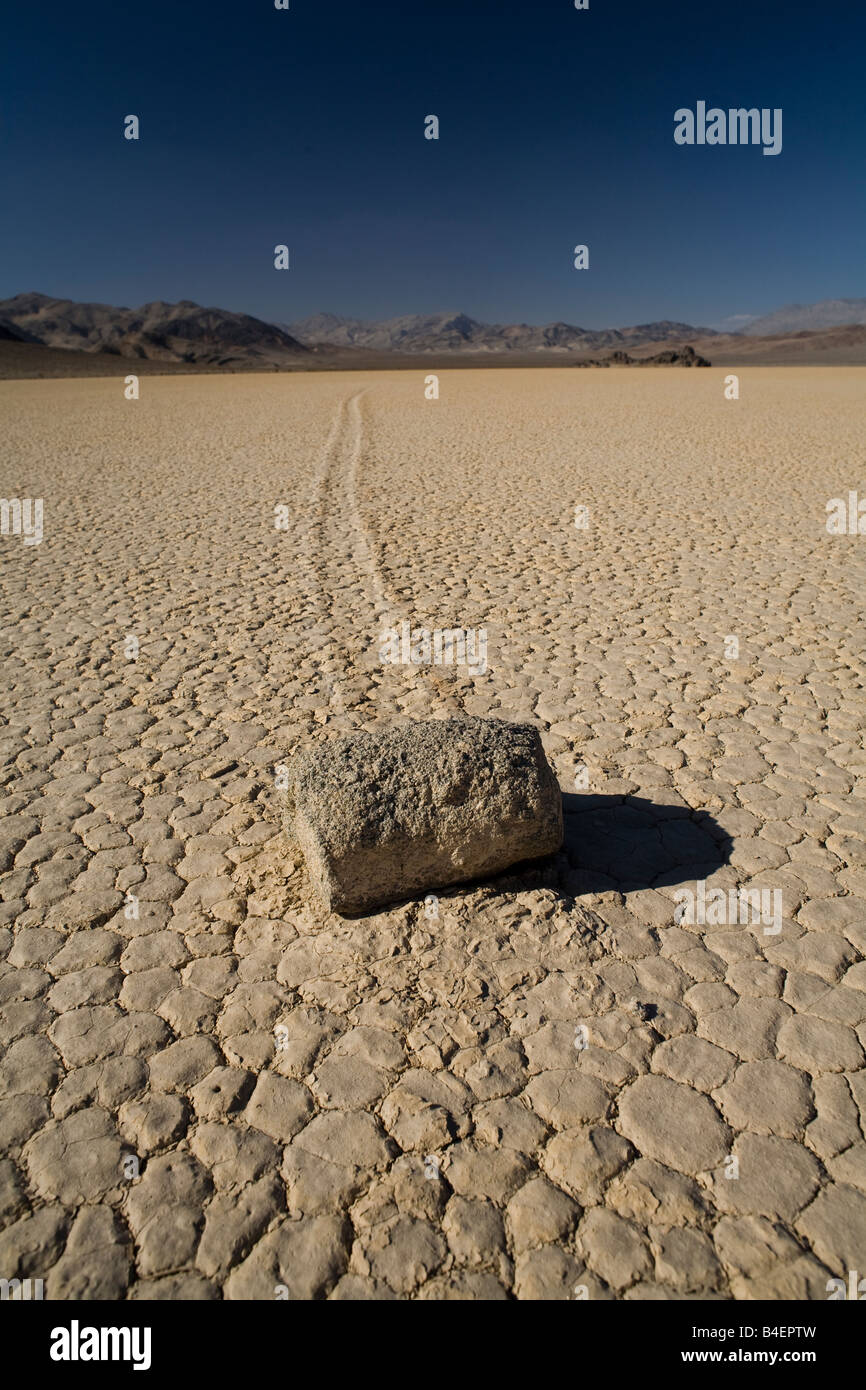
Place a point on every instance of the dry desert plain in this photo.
(553, 1085)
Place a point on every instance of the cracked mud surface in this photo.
(233, 1095)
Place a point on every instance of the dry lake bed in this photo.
(634, 1071)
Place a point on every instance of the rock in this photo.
(385, 816)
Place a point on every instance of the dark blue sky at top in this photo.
(305, 127)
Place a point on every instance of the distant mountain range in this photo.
(182, 332)
(185, 336)
(809, 318)
(456, 332)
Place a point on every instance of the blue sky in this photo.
(306, 127)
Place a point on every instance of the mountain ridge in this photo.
(810, 318)
(181, 332)
(185, 336)
(456, 331)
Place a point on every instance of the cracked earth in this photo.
(545, 1086)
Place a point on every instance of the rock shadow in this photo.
(622, 844)
(631, 843)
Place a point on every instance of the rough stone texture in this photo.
(447, 1134)
(385, 816)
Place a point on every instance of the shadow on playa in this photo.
(625, 844)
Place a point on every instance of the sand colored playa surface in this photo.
(208, 1087)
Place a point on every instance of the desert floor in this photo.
(210, 1088)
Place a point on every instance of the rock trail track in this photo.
(347, 587)
(208, 1089)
